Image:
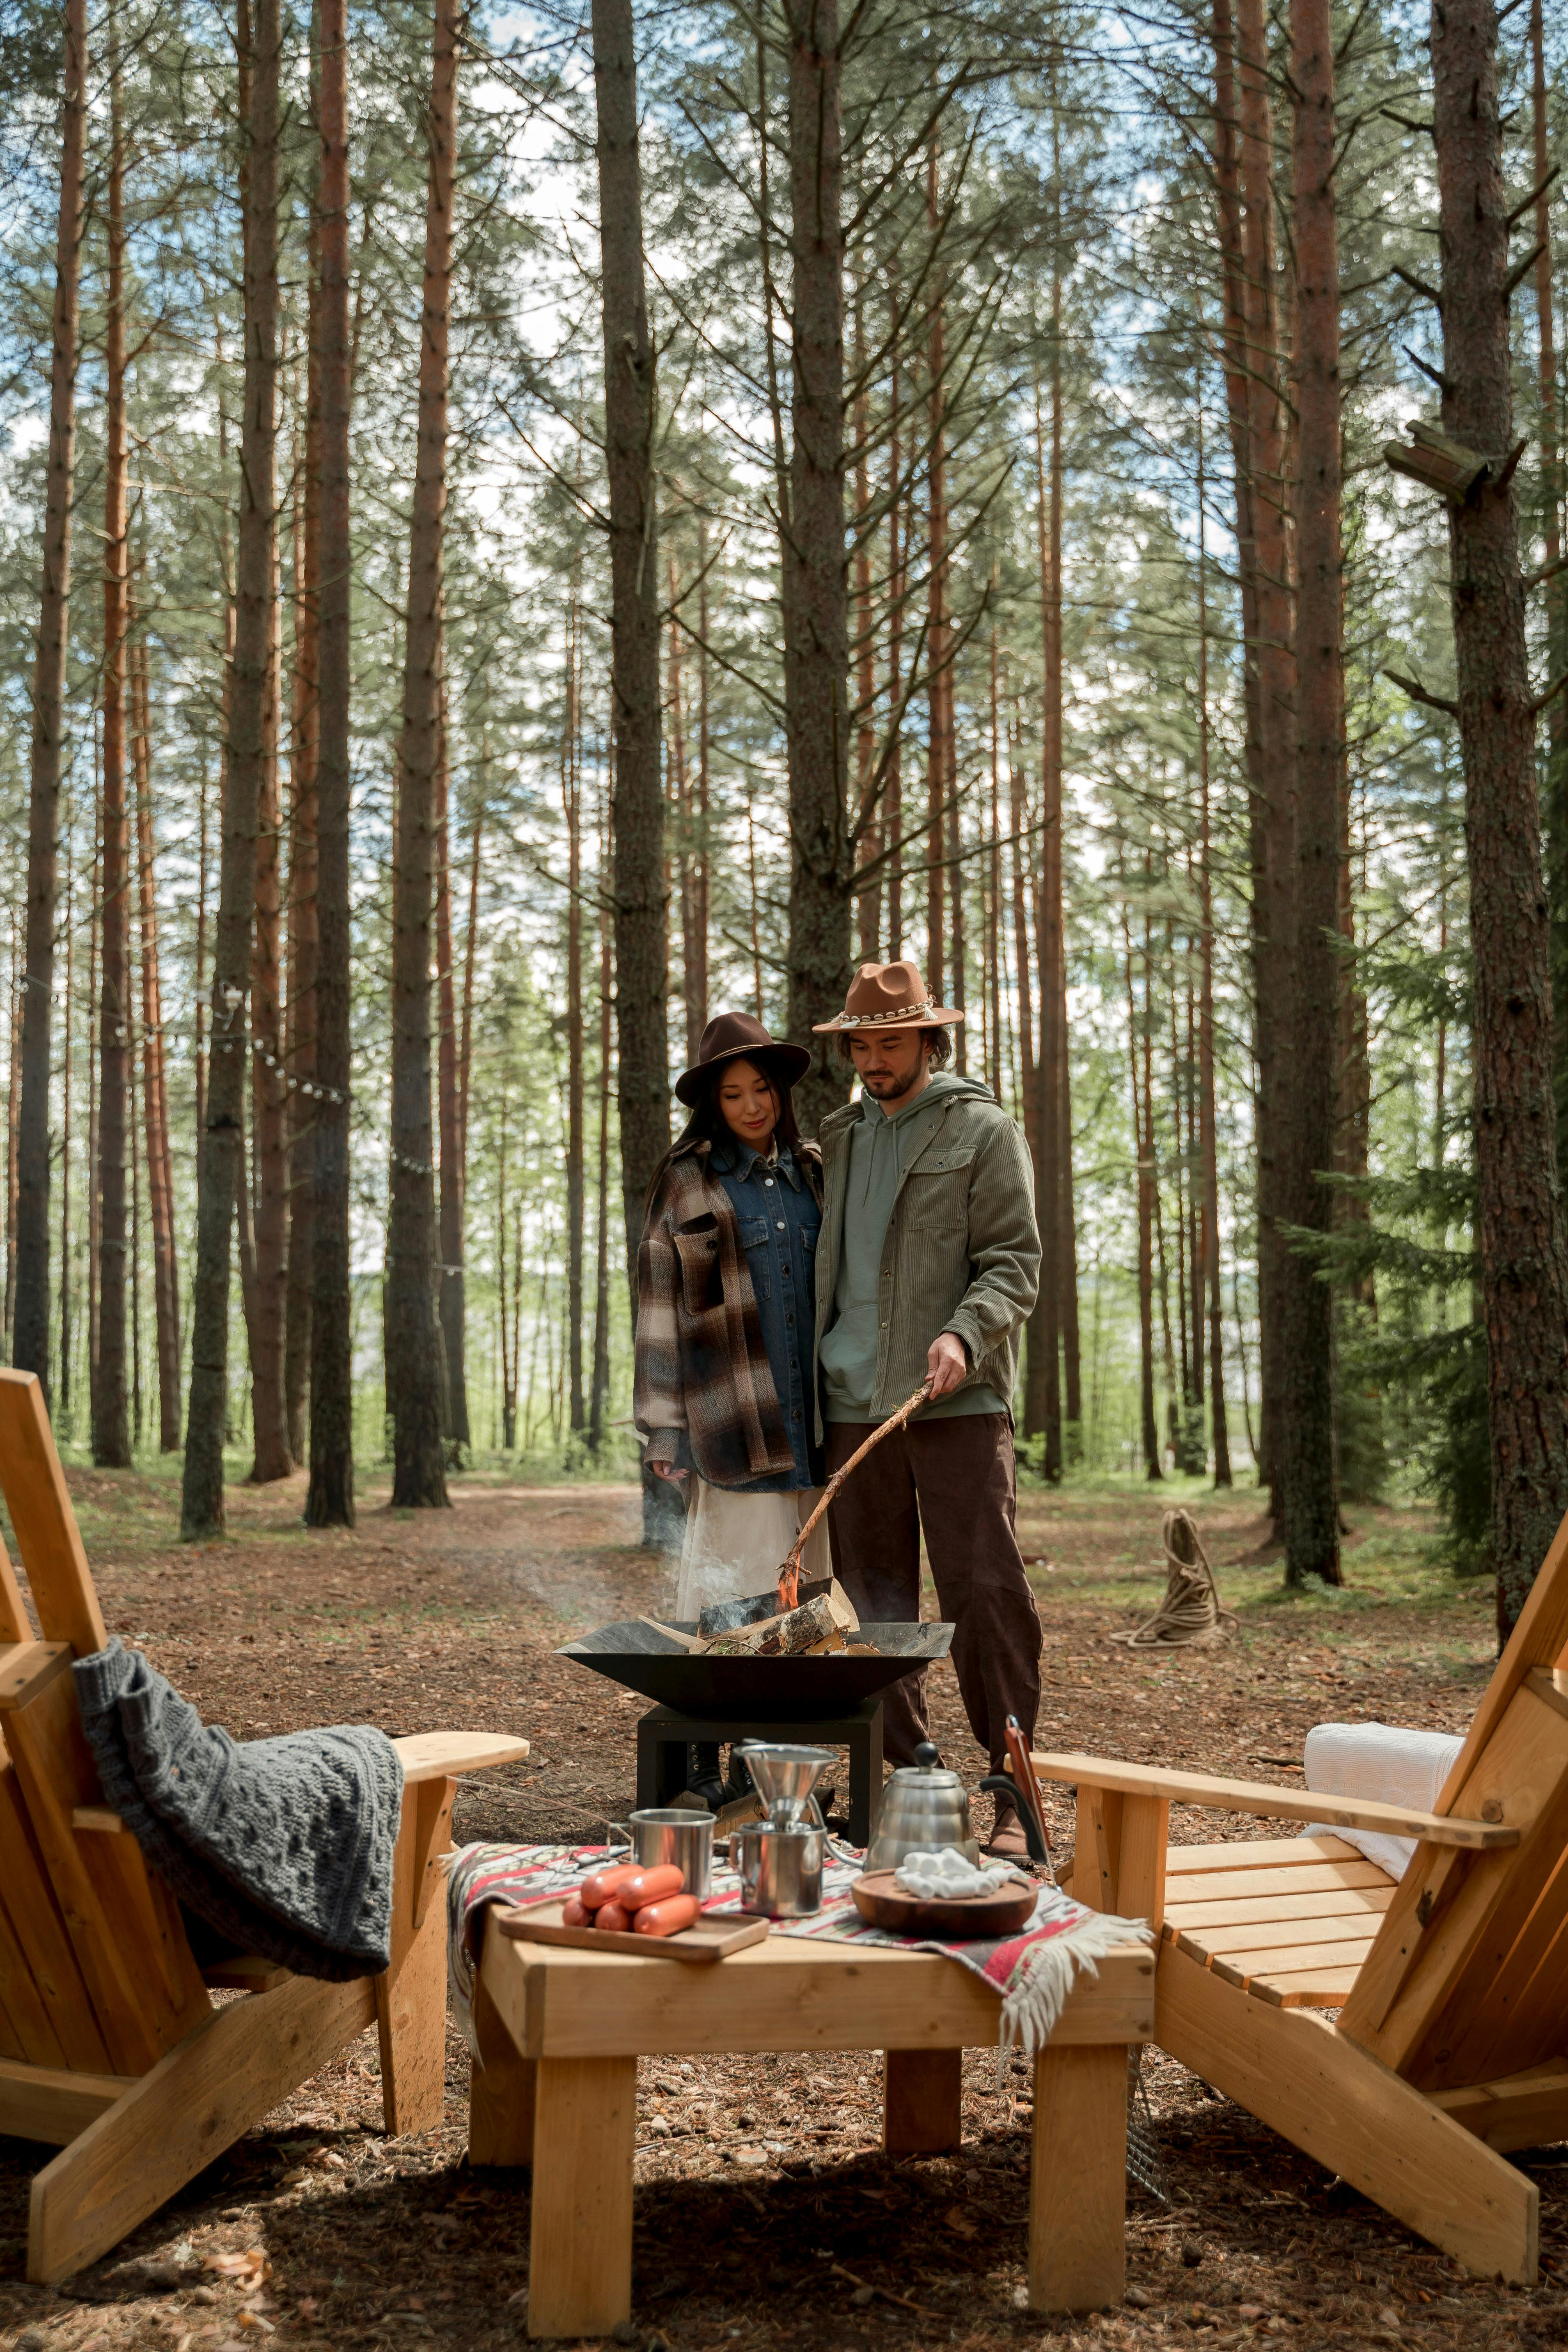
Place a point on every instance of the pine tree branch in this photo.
(1547, 571)
(1418, 285)
(1521, 269)
(1433, 375)
(1535, 195)
(1418, 693)
(1553, 691)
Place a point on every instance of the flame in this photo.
(789, 1584)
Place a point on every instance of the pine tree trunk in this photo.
(599, 1383)
(14, 1008)
(111, 1427)
(693, 974)
(993, 897)
(955, 827)
(572, 801)
(814, 592)
(867, 846)
(331, 1500)
(1308, 1424)
(697, 957)
(1239, 418)
(453, 1301)
(893, 774)
(303, 779)
(1555, 590)
(1143, 1147)
(95, 940)
(30, 1341)
(67, 1334)
(571, 808)
(1524, 1266)
(1270, 641)
(202, 1503)
(1028, 1084)
(1072, 1374)
(154, 1079)
(939, 651)
(642, 952)
(268, 1298)
(471, 955)
(1208, 1142)
(1043, 1410)
(413, 1330)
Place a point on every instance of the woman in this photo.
(726, 1298)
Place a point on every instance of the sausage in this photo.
(604, 1883)
(613, 1915)
(647, 1885)
(576, 1914)
(667, 1918)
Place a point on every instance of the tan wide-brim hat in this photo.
(729, 1036)
(888, 997)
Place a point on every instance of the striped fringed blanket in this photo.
(1032, 1971)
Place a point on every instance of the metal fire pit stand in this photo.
(664, 1734)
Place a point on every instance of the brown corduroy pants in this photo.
(955, 1480)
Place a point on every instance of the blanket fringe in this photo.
(1048, 1971)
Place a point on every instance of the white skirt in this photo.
(735, 1543)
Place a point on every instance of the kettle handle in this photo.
(999, 1785)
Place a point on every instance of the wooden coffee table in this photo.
(561, 2032)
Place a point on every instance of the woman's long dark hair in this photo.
(706, 1124)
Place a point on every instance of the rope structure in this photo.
(1190, 1616)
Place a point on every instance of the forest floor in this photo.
(766, 2213)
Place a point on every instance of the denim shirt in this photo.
(779, 1222)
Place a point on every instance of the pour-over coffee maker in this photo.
(780, 1858)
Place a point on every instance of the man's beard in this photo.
(890, 1088)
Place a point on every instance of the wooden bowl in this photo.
(948, 1919)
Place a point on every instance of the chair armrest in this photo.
(442, 1754)
(1283, 1804)
(425, 1755)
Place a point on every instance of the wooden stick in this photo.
(789, 1573)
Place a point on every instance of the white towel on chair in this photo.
(1377, 1760)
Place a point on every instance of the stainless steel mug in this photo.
(673, 1834)
(780, 1867)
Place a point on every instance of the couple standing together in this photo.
(789, 1300)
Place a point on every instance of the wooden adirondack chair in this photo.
(110, 2047)
(1450, 2047)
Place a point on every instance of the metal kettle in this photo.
(923, 1805)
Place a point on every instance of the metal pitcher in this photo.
(923, 1806)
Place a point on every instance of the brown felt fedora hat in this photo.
(729, 1035)
(888, 996)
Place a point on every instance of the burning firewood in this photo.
(785, 1636)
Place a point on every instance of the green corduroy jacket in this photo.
(962, 1251)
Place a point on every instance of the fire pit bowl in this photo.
(777, 1690)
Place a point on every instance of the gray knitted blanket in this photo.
(285, 1845)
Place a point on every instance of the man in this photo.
(927, 1267)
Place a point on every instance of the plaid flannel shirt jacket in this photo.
(703, 1393)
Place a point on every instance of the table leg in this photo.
(501, 2093)
(1078, 2179)
(580, 2237)
(922, 2102)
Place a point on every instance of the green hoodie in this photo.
(877, 1149)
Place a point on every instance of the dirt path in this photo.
(753, 2182)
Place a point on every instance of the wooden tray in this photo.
(948, 1919)
(713, 1938)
